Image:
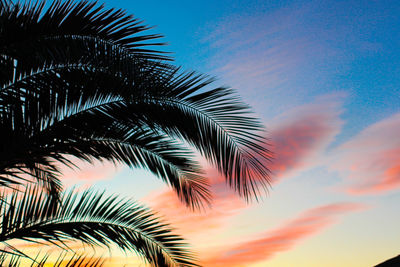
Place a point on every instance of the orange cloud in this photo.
(283, 238)
(371, 160)
(225, 204)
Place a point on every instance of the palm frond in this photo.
(71, 23)
(214, 121)
(93, 219)
(41, 260)
(115, 140)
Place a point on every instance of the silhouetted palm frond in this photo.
(28, 25)
(101, 97)
(94, 219)
(215, 121)
(63, 260)
(34, 42)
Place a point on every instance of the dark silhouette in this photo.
(93, 219)
(80, 82)
(393, 262)
(63, 260)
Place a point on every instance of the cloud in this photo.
(259, 49)
(370, 161)
(277, 58)
(266, 245)
(88, 173)
(301, 135)
(225, 204)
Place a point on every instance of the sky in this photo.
(324, 77)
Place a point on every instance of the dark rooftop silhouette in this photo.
(390, 262)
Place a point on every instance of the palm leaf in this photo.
(72, 23)
(63, 260)
(217, 123)
(214, 121)
(93, 219)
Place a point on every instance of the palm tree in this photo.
(81, 81)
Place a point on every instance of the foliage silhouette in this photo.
(93, 219)
(63, 260)
(65, 70)
(78, 81)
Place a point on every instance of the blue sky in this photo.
(349, 46)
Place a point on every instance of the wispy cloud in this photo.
(259, 48)
(276, 58)
(225, 205)
(370, 161)
(302, 134)
(88, 173)
(268, 244)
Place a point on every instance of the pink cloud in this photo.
(301, 135)
(88, 173)
(225, 204)
(268, 244)
(370, 161)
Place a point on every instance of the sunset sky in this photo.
(324, 77)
